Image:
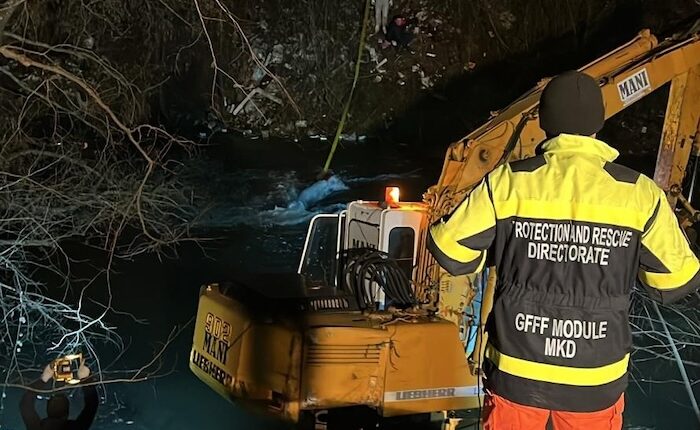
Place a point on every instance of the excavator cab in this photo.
(390, 229)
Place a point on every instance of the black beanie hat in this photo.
(572, 103)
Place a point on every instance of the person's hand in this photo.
(83, 371)
(48, 373)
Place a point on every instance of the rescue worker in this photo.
(569, 232)
(397, 33)
(381, 14)
(58, 406)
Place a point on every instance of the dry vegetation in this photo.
(78, 161)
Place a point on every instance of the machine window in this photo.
(401, 245)
(320, 264)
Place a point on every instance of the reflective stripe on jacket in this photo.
(570, 232)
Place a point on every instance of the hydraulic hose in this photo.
(366, 267)
(515, 137)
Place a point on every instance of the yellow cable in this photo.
(341, 124)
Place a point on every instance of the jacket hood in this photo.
(571, 143)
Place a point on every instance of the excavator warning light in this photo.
(391, 197)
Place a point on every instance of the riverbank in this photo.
(465, 61)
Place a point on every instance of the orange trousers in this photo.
(502, 414)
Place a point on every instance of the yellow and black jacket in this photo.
(570, 232)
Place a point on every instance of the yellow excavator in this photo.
(370, 327)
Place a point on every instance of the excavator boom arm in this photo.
(625, 75)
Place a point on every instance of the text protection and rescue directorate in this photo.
(575, 243)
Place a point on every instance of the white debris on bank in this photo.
(314, 66)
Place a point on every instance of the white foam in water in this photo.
(295, 215)
(295, 208)
(304, 207)
(278, 202)
(319, 190)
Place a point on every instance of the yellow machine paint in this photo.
(347, 359)
(240, 359)
(317, 352)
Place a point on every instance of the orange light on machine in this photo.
(391, 196)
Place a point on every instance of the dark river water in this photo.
(251, 227)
